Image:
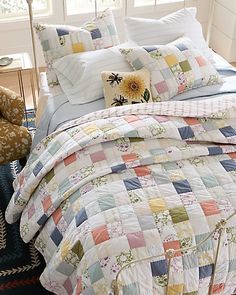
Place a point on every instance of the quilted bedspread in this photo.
(127, 184)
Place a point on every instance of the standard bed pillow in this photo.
(175, 68)
(122, 88)
(80, 74)
(60, 40)
(167, 29)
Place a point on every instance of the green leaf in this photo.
(146, 95)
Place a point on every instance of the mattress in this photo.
(54, 108)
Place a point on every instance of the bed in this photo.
(140, 198)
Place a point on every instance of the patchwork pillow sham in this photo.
(167, 29)
(122, 88)
(60, 40)
(80, 74)
(174, 68)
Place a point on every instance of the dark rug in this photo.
(20, 263)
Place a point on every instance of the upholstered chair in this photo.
(15, 140)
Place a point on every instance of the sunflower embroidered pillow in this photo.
(174, 68)
(122, 88)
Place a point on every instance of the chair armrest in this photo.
(11, 106)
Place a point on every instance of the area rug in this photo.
(20, 263)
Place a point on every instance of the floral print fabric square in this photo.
(121, 88)
(174, 68)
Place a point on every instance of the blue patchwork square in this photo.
(228, 131)
(132, 184)
(56, 236)
(95, 272)
(205, 271)
(81, 217)
(150, 48)
(96, 34)
(182, 186)
(159, 268)
(118, 168)
(62, 32)
(37, 168)
(215, 150)
(42, 219)
(181, 46)
(229, 165)
(186, 132)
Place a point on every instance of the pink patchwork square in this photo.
(70, 159)
(98, 156)
(201, 61)
(181, 88)
(210, 207)
(161, 87)
(136, 240)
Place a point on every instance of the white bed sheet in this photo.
(54, 108)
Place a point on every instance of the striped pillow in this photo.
(80, 74)
(175, 68)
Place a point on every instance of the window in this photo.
(81, 6)
(153, 2)
(18, 8)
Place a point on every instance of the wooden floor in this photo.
(10, 80)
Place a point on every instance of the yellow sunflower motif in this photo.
(132, 87)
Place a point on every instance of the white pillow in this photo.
(80, 74)
(167, 29)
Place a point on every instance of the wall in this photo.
(223, 37)
(15, 37)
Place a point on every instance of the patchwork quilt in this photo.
(120, 187)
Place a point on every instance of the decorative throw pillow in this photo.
(121, 88)
(175, 68)
(60, 40)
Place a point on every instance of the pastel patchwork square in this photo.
(201, 61)
(47, 203)
(78, 47)
(190, 261)
(161, 87)
(175, 245)
(138, 64)
(206, 246)
(100, 234)
(185, 66)
(210, 181)
(70, 159)
(106, 202)
(78, 250)
(157, 205)
(210, 207)
(178, 214)
(68, 286)
(131, 289)
(142, 171)
(95, 272)
(136, 240)
(50, 176)
(129, 157)
(191, 121)
(98, 156)
(215, 150)
(171, 59)
(38, 167)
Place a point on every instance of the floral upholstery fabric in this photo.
(11, 106)
(15, 140)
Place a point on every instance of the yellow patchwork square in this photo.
(78, 47)
(175, 289)
(171, 60)
(157, 205)
(90, 129)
